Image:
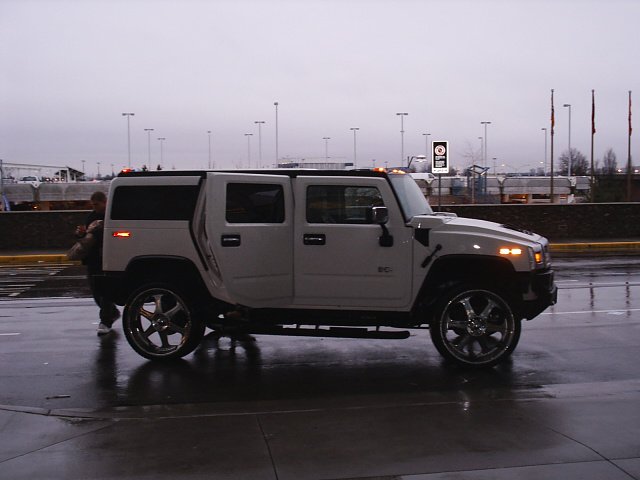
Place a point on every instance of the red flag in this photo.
(593, 113)
(553, 117)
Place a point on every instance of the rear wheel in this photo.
(160, 324)
(475, 326)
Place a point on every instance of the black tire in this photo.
(160, 323)
(474, 326)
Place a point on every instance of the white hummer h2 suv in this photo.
(356, 254)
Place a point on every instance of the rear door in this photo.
(249, 226)
(338, 260)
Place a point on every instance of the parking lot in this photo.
(78, 406)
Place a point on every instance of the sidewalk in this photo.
(579, 246)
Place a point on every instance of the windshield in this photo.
(410, 196)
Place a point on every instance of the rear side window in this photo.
(156, 202)
(341, 204)
(255, 203)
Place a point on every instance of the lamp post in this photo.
(545, 150)
(259, 123)
(355, 161)
(402, 115)
(486, 143)
(112, 172)
(209, 134)
(149, 130)
(481, 147)
(1, 187)
(326, 148)
(98, 163)
(569, 160)
(248, 135)
(161, 140)
(128, 115)
(276, 105)
(426, 143)
(84, 175)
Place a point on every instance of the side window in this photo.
(255, 203)
(154, 202)
(341, 204)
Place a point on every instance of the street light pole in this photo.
(1, 187)
(128, 115)
(355, 161)
(569, 161)
(486, 143)
(98, 163)
(326, 148)
(426, 143)
(259, 123)
(481, 147)
(209, 134)
(276, 105)
(161, 139)
(249, 135)
(149, 130)
(402, 115)
(545, 150)
(84, 175)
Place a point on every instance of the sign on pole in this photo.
(440, 157)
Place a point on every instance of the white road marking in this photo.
(616, 311)
(8, 334)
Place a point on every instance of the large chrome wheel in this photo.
(160, 324)
(474, 327)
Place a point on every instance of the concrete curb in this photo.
(30, 259)
(596, 247)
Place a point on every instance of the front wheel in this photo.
(474, 327)
(159, 323)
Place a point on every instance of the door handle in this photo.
(230, 240)
(314, 239)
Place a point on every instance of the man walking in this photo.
(94, 225)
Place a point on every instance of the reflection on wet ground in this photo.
(590, 335)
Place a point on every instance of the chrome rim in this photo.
(477, 326)
(159, 321)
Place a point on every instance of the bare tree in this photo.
(578, 162)
(609, 162)
(471, 155)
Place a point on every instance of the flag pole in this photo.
(553, 122)
(629, 154)
(593, 132)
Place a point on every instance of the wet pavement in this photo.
(567, 405)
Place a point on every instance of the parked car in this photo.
(315, 253)
(31, 180)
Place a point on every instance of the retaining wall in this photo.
(598, 221)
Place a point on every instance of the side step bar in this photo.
(335, 332)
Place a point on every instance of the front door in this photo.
(338, 259)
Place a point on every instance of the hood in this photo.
(472, 226)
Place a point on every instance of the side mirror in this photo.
(380, 215)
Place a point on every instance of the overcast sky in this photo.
(69, 69)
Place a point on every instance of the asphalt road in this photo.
(567, 405)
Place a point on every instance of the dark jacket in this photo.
(93, 261)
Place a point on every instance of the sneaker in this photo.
(103, 329)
